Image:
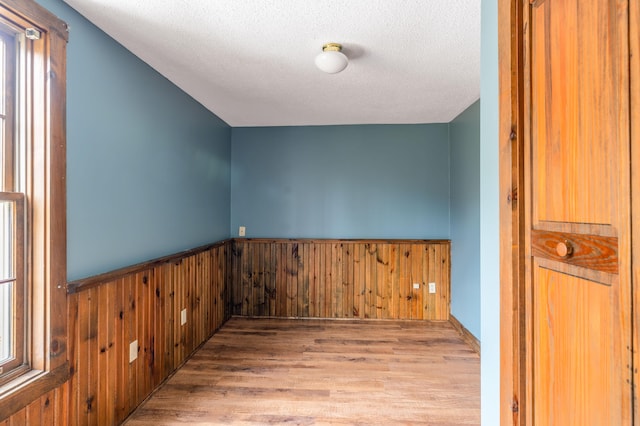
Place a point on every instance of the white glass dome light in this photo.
(331, 60)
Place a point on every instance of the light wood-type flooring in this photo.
(305, 372)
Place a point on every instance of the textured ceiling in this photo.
(251, 62)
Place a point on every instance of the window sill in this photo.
(25, 389)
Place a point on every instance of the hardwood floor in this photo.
(276, 371)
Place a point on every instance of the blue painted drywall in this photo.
(464, 141)
(147, 166)
(365, 181)
(489, 216)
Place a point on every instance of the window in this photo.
(12, 212)
(33, 317)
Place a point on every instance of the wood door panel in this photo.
(578, 231)
(574, 378)
(576, 88)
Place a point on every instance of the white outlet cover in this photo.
(183, 317)
(133, 351)
(416, 285)
(242, 231)
(432, 287)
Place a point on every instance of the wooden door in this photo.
(577, 302)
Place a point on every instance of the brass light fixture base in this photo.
(332, 47)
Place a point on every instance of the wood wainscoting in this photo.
(341, 278)
(142, 303)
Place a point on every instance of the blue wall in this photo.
(368, 181)
(147, 166)
(489, 216)
(464, 140)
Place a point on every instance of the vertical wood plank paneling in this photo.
(347, 280)
(322, 280)
(382, 281)
(113, 347)
(167, 271)
(34, 412)
(373, 281)
(358, 280)
(46, 406)
(255, 279)
(296, 298)
(121, 345)
(437, 253)
(88, 380)
(394, 300)
(368, 293)
(272, 288)
(176, 277)
(303, 280)
(186, 284)
(237, 248)
(312, 281)
(299, 282)
(61, 416)
(207, 284)
(343, 279)
(141, 334)
(416, 278)
(433, 268)
(264, 272)
(293, 275)
(281, 280)
(328, 280)
(159, 322)
(285, 285)
(143, 305)
(150, 332)
(404, 285)
(189, 286)
(20, 418)
(218, 295)
(362, 279)
(428, 299)
(179, 276)
(226, 287)
(74, 335)
(285, 265)
(288, 262)
(104, 389)
(212, 277)
(336, 280)
(445, 300)
(196, 314)
(131, 328)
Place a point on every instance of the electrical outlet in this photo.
(133, 351)
(432, 287)
(242, 231)
(183, 317)
(416, 285)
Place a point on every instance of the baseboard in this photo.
(466, 334)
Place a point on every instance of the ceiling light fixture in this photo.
(331, 60)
